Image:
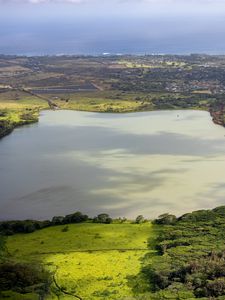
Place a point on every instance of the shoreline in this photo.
(217, 117)
(7, 127)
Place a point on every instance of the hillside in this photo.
(172, 258)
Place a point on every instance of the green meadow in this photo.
(94, 261)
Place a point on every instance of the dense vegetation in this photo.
(191, 261)
(21, 278)
(24, 278)
(8, 122)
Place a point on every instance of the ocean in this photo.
(35, 33)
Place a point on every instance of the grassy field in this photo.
(94, 261)
(142, 63)
(103, 105)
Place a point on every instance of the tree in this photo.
(166, 219)
(57, 220)
(140, 219)
(76, 217)
(103, 218)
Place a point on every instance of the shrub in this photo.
(65, 229)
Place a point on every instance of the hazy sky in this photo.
(138, 6)
(126, 26)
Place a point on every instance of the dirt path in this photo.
(94, 250)
(51, 104)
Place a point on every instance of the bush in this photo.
(65, 229)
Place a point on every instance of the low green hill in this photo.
(171, 258)
(93, 261)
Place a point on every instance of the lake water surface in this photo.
(124, 164)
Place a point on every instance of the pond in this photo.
(123, 164)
